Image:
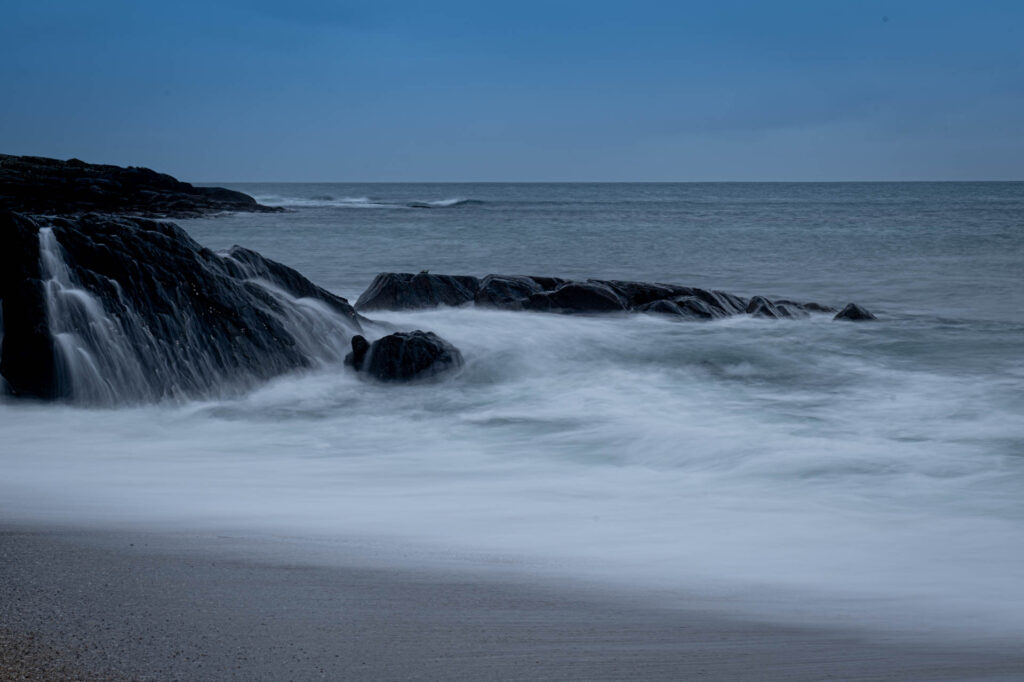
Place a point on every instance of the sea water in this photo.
(808, 469)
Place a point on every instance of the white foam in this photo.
(747, 460)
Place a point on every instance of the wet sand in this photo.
(89, 604)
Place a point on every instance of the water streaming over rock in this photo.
(111, 350)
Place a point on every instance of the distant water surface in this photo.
(853, 473)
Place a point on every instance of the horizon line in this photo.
(590, 182)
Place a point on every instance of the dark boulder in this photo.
(104, 309)
(685, 308)
(548, 283)
(660, 308)
(759, 306)
(854, 313)
(638, 294)
(404, 356)
(38, 185)
(406, 291)
(254, 266)
(360, 346)
(505, 292)
(578, 297)
(805, 307)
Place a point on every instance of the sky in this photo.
(313, 90)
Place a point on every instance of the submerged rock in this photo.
(104, 309)
(403, 356)
(405, 291)
(854, 313)
(34, 184)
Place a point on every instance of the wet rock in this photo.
(685, 308)
(38, 185)
(397, 291)
(140, 311)
(360, 346)
(404, 356)
(505, 292)
(638, 294)
(578, 297)
(406, 291)
(759, 306)
(854, 313)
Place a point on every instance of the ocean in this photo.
(795, 470)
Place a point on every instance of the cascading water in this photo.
(108, 353)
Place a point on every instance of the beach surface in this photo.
(128, 604)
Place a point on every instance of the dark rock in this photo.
(360, 346)
(398, 291)
(548, 283)
(854, 313)
(660, 308)
(404, 356)
(695, 308)
(506, 292)
(759, 306)
(33, 184)
(406, 291)
(26, 351)
(578, 297)
(637, 294)
(255, 266)
(806, 307)
(142, 312)
(721, 302)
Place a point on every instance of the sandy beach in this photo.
(92, 604)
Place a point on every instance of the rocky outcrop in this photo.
(854, 313)
(405, 291)
(404, 356)
(37, 185)
(106, 309)
(578, 297)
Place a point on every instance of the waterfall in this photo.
(109, 350)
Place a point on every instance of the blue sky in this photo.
(310, 90)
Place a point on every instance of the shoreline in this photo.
(197, 606)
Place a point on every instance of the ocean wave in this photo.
(326, 201)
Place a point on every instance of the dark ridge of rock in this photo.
(38, 185)
(578, 297)
(660, 308)
(104, 309)
(549, 283)
(854, 313)
(759, 306)
(406, 291)
(806, 307)
(257, 267)
(637, 294)
(505, 291)
(403, 356)
(26, 349)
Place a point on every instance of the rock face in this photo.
(403, 356)
(37, 185)
(106, 309)
(854, 313)
(405, 291)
